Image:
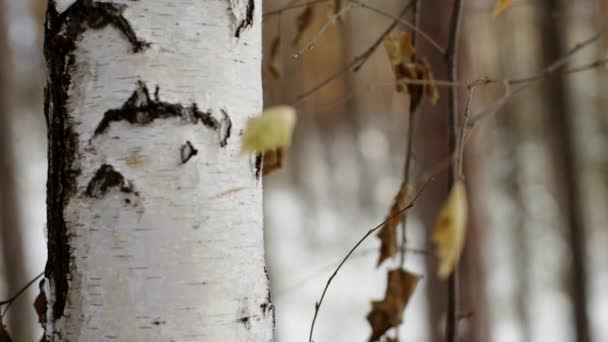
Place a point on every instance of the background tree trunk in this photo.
(558, 117)
(154, 216)
(10, 226)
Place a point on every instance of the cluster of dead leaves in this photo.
(448, 236)
(406, 66)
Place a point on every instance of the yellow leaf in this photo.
(450, 229)
(387, 313)
(500, 6)
(269, 131)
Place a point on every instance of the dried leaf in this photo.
(430, 90)
(449, 231)
(303, 22)
(270, 130)
(274, 66)
(500, 6)
(388, 232)
(40, 307)
(400, 52)
(273, 160)
(399, 48)
(388, 312)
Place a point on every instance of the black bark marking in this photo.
(245, 322)
(187, 151)
(89, 14)
(259, 164)
(141, 109)
(225, 128)
(62, 31)
(247, 21)
(106, 178)
(267, 306)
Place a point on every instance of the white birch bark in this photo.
(155, 218)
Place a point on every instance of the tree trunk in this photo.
(559, 119)
(154, 216)
(431, 150)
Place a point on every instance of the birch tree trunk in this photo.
(154, 216)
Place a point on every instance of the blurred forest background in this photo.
(536, 170)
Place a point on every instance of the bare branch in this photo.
(8, 302)
(311, 44)
(358, 61)
(352, 250)
(451, 55)
(403, 22)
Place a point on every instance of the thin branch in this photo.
(403, 22)
(352, 250)
(463, 133)
(291, 6)
(550, 69)
(451, 61)
(358, 61)
(311, 44)
(414, 100)
(320, 270)
(8, 302)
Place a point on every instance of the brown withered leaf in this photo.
(388, 312)
(388, 232)
(303, 22)
(273, 160)
(274, 67)
(40, 307)
(401, 54)
(398, 47)
(430, 90)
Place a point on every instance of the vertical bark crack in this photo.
(62, 32)
(244, 17)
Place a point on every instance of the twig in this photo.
(8, 302)
(318, 271)
(358, 61)
(291, 6)
(311, 44)
(414, 100)
(451, 55)
(463, 133)
(352, 250)
(403, 22)
(546, 71)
